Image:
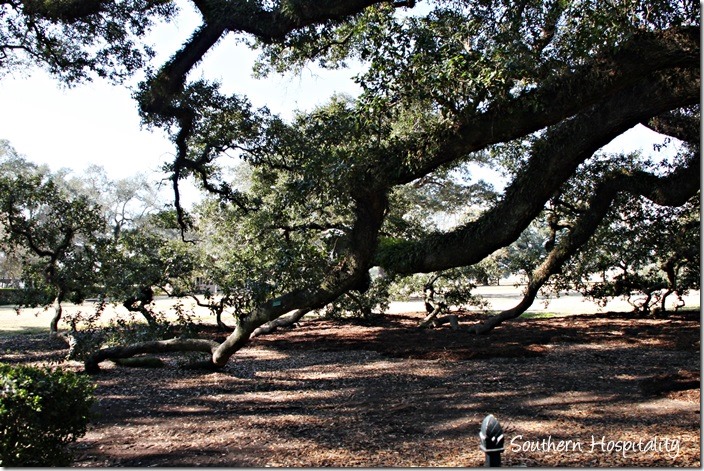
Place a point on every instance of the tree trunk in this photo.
(488, 325)
(449, 319)
(58, 311)
(663, 300)
(217, 308)
(139, 306)
(221, 325)
(430, 318)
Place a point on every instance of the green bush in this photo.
(41, 412)
(9, 296)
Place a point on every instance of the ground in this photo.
(568, 391)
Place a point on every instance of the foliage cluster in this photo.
(42, 411)
(641, 252)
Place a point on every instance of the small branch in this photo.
(283, 321)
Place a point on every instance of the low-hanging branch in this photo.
(370, 210)
(158, 346)
(672, 190)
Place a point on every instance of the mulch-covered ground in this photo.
(601, 390)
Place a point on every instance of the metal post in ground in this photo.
(491, 437)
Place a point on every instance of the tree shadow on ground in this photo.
(389, 394)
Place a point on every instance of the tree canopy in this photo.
(54, 229)
(532, 87)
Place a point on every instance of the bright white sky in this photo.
(97, 123)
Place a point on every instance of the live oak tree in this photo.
(533, 87)
(646, 253)
(55, 231)
(81, 237)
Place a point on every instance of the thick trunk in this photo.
(92, 364)
(491, 322)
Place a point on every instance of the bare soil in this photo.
(568, 391)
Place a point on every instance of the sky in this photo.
(98, 123)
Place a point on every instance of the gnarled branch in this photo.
(672, 190)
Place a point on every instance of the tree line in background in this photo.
(335, 207)
(73, 238)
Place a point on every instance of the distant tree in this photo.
(10, 259)
(55, 232)
(127, 203)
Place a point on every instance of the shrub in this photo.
(42, 411)
(9, 296)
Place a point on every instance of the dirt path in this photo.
(386, 394)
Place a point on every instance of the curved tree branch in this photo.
(92, 363)
(553, 160)
(223, 16)
(672, 190)
(558, 98)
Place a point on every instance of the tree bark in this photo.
(58, 311)
(603, 80)
(139, 304)
(283, 321)
(139, 307)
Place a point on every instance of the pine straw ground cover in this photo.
(383, 393)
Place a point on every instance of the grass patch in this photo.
(23, 330)
(539, 315)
